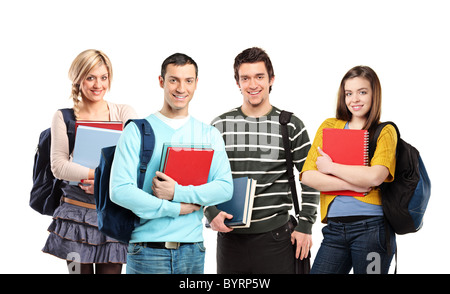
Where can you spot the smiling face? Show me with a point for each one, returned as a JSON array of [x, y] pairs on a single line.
[[95, 84], [358, 97], [255, 83], [179, 85]]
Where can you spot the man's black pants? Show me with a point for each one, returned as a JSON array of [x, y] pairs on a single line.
[[265, 253]]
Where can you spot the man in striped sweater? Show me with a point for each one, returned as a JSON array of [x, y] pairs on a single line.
[[254, 145]]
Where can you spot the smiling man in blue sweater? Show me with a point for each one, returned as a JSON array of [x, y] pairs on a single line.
[[169, 238]]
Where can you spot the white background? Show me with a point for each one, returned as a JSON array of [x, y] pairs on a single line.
[[312, 44]]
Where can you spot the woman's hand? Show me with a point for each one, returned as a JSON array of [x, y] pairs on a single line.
[[324, 162], [87, 186]]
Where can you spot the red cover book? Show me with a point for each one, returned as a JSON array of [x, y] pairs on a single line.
[[112, 125], [348, 147], [188, 165]]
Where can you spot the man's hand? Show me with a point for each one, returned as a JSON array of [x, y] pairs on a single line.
[[304, 244], [217, 224], [163, 186], [187, 208]]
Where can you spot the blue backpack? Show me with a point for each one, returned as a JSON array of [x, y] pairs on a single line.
[[114, 220], [406, 198], [46, 193]]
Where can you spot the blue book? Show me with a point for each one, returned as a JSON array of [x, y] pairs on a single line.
[[89, 142], [241, 204]]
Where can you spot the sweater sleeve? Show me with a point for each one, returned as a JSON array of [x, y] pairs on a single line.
[[310, 162], [309, 202], [385, 151], [61, 164], [123, 180]]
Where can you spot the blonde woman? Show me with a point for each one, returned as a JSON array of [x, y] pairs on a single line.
[[74, 235]]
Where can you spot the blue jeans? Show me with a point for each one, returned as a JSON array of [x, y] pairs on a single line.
[[187, 259], [360, 244]]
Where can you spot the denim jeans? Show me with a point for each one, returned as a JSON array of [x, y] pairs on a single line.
[[360, 245], [187, 259]]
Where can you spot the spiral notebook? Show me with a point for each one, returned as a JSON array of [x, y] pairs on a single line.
[[345, 146]]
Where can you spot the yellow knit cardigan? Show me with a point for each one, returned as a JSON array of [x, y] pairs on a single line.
[[384, 155]]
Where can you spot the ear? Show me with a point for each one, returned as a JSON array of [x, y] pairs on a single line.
[[271, 81], [161, 81]]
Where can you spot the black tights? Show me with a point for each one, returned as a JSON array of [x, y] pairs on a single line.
[[100, 268]]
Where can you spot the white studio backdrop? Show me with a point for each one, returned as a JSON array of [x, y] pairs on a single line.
[[312, 44]]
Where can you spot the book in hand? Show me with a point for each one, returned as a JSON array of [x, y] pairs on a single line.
[[349, 147], [89, 142], [241, 204], [187, 164], [112, 125]]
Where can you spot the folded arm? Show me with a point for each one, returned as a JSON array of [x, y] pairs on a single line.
[[361, 176], [219, 186], [123, 181]]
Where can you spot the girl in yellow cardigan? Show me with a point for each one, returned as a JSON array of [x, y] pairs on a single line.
[[355, 233]]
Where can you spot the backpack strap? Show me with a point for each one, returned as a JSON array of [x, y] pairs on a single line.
[[372, 147], [285, 118], [69, 119], [147, 147]]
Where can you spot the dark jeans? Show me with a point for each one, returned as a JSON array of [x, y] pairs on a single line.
[[360, 245], [266, 253]]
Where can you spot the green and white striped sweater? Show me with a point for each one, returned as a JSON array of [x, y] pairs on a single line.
[[255, 149]]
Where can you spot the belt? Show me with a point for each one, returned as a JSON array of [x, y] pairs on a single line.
[[162, 245], [78, 203]]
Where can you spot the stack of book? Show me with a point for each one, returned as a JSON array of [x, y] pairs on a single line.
[[241, 204], [187, 164], [91, 137]]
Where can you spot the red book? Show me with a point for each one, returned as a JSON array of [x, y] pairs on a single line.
[[187, 165], [345, 146], [112, 125]]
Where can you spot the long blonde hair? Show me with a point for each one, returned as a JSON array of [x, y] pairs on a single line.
[[80, 68]]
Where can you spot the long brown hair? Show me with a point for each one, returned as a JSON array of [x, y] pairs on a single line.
[[374, 114]]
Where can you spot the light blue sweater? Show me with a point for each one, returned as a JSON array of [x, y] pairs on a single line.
[[159, 219]]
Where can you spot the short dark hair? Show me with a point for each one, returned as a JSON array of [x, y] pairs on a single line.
[[253, 55], [179, 59]]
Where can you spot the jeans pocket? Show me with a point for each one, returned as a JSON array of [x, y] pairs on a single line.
[[383, 241], [201, 246], [282, 233], [134, 248]]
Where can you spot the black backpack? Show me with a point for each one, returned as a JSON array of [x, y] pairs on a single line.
[[114, 220], [46, 193], [406, 198]]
